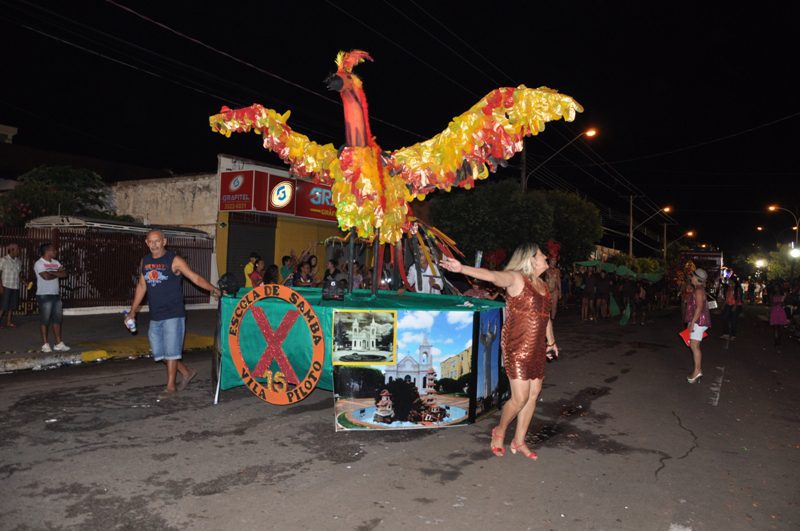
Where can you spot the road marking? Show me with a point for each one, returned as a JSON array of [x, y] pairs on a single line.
[[716, 387]]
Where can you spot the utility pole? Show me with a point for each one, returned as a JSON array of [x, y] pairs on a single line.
[[630, 228], [665, 241]]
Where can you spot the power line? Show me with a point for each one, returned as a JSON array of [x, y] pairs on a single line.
[[401, 47], [50, 121], [166, 58], [251, 65], [440, 41], [621, 179], [708, 142], [171, 74], [465, 43], [223, 53], [112, 59]]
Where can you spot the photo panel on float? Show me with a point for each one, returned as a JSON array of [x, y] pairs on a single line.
[[488, 371], [428, 386], [364, 337]]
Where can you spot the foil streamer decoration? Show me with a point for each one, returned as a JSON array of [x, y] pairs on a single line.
[[370, 190]]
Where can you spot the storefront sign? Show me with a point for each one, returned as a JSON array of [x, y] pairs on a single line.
[[236, 190], [315, 201], [264, 192], [281, 196], [260, 190]]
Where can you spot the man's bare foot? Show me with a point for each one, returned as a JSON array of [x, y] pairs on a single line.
[[187, 379], [167, 394]]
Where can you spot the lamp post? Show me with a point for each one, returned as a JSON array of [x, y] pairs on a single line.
[[632, 229], [689, 233], [762, 230], [760, 265], [524, 181], [775, 208], [795, 254]]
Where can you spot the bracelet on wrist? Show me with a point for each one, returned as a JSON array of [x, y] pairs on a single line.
[[551, 344]]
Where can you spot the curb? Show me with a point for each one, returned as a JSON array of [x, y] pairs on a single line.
[[39, 363], [52, 361]]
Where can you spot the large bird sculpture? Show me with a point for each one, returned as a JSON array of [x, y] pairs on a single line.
[[371, 187]]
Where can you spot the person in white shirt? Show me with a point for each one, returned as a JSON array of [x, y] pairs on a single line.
[[48, 272], [430, 284], [10, 275]]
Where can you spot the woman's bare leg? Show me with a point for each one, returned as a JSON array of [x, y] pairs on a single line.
[[526, 413], [520, 392], [697, 356]]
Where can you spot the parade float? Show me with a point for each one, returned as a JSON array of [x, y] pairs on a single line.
[[393, 359]]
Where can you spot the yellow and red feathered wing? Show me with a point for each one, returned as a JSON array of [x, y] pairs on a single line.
[[305, 157], [491, 131]]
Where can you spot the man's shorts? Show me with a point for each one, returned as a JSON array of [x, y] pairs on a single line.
[[9, 300], [50, 309], [166, 338], [697, 332]]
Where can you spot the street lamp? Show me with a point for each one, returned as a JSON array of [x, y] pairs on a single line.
[[775, 208], [689, 234], [632, 229], [795, 254], [589, 133], [761, 229]]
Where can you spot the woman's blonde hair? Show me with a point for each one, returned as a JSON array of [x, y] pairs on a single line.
[[521, 259]]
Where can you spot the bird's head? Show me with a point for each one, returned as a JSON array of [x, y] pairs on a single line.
[[344, 77]]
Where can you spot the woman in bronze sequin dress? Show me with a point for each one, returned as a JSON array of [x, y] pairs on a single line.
[[526, 338]]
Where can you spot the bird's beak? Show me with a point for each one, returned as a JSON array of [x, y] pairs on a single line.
[[334, 82]]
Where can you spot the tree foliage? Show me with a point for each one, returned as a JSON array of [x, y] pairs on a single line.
[[499, 215], [53, 190], [577, 225], [639, 265], [495, 215], [779, 263]]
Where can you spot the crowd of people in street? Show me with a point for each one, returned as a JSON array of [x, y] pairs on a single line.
[[534, 289]]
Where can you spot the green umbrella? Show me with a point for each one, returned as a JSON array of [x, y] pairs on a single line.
[[626, 315], [588, 263], [608, 268], [625, 271], [613, 307], [651, 277]]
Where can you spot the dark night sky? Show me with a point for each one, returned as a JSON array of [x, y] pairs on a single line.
[[696, 105]]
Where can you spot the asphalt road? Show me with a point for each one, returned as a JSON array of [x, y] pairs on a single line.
[[623, 441]]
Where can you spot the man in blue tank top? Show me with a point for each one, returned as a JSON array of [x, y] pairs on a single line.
[[160, 277]]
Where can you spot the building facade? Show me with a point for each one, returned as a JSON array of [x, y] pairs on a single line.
[[418, 371], [458, 365]]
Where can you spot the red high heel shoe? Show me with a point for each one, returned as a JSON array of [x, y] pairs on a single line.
[[529, 455], [497, 451]]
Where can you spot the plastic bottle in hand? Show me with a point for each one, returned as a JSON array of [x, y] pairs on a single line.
[[130, 323]]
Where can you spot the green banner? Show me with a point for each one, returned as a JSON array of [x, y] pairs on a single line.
[[294, 338]]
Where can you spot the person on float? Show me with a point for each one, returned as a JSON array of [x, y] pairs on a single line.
[[527, 336]]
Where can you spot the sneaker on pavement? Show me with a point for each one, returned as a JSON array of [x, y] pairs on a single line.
[[46, 348], [61, 347]]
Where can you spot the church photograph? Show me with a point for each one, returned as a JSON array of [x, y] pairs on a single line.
[[403, 394], [363, 337]]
